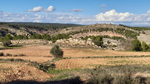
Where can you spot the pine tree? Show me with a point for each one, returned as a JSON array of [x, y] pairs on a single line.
[[137, 45]]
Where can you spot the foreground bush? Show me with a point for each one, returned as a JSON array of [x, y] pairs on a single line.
[[99, 76], [102, 76], [56, 52]]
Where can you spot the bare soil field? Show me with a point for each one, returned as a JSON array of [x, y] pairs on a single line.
[[32, 52], [91, 63], [74, 58], [11, 71], [40, 54]]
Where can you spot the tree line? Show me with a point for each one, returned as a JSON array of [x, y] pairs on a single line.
[[140, 46], [35, 36]]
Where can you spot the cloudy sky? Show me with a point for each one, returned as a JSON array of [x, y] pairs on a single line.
[[128, 12]]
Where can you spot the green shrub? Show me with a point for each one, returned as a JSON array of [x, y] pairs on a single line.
[[8, 54], [137, 45], [100, 76], [56, 52], [98, 41], [125, 79], [7, 43], [101, 79], [1, 54], [22, 55], [145, 47]]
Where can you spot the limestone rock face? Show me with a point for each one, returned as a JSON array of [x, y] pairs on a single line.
[[30, 41], [74, 42], [144, 38], [112, 44]]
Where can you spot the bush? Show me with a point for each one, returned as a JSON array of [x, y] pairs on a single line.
[[137, 45], [125, 79], [7, 43], [100, 76], [145, 47], [101, 79], [75, 80], [1, 54], [8, 54], [56, 52]]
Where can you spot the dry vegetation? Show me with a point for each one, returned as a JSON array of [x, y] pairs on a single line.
[[11, 71], [74, 58]]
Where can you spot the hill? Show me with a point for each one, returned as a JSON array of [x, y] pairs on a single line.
[[21, 28], [107, 36]]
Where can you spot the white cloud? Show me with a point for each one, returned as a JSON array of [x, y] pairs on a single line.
[[50, 9], [77, 10], [36, 9], [127, 18], [37, 21], [103, 5], [40, 9], [148, 12], [112, 15]]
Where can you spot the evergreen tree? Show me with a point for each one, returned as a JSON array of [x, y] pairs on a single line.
[[145, 47], [137, 45], [56, 52]]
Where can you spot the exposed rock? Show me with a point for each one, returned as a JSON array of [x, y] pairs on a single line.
[[30, 41], [109, 33], [72, 42], [21, 31], [144, 37], [112, 44]]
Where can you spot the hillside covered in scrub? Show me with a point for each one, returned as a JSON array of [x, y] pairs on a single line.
[[107, 36]]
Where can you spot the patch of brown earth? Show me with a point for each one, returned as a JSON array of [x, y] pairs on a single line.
[[12, 71]]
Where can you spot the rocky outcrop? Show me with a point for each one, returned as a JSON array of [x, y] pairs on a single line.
[[144, 38], [108, 33], [21, 31], [72, 42], [32, 41], [112, 44]]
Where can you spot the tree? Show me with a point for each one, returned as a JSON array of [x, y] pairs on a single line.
[[137, 45], [6, 43], [56, 52], [98, 41], [145, 47], [46, 37], [8, 37]]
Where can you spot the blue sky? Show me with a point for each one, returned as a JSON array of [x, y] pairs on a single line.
[[129, 12]]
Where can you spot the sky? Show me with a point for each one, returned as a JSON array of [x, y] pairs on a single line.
[[127, 12]]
